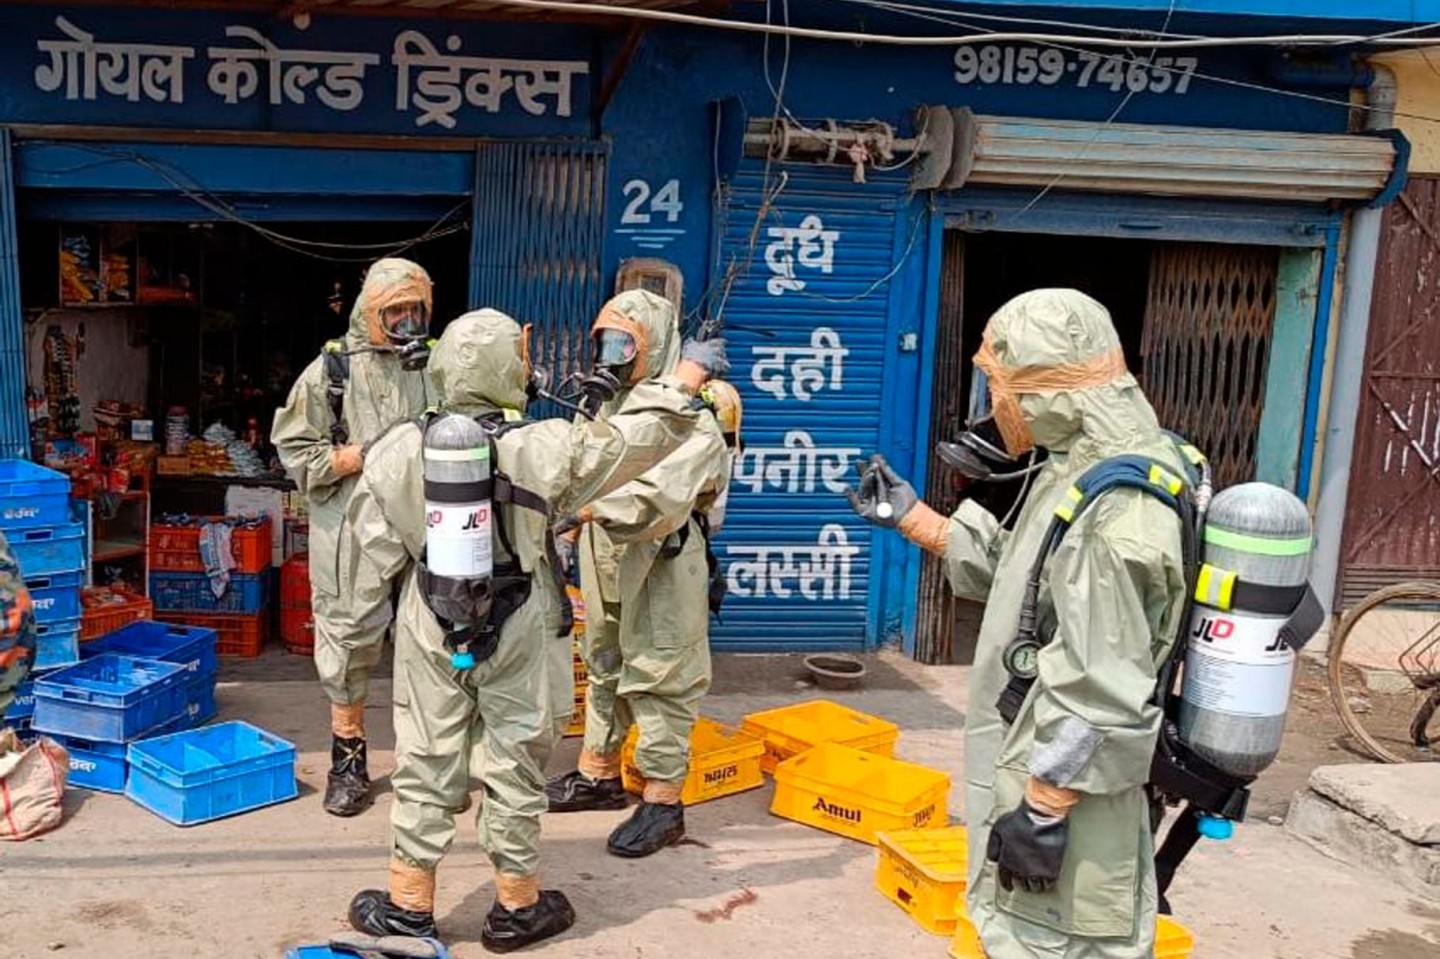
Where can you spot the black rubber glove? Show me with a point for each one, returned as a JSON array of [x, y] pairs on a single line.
[[882, 498], [1028, 847]]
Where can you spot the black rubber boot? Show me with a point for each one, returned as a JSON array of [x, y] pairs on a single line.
[[506, 930], [577, 792], [650, 829], [347, 790], [373, 913]]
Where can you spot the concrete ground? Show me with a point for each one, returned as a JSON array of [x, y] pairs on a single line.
[[117, 882]]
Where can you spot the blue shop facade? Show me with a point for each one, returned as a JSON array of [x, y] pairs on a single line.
[[852, 213]]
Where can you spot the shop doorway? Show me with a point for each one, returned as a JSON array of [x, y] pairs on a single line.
[[1195, 320], [130, 320]]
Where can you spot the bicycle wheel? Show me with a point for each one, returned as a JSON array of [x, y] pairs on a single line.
[[1385, 670]]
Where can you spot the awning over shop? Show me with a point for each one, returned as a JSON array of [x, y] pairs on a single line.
[[1159, 160]]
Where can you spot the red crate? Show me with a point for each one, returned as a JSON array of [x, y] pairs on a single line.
[[176, 549], [101, 618], [297, 631], [240, 634]]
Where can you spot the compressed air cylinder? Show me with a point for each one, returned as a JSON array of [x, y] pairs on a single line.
[[458, 516], [1236, 686]]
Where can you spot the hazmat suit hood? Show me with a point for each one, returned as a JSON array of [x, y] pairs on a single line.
[[652, 321], [480, 363], [388, 282], [1056, 352]]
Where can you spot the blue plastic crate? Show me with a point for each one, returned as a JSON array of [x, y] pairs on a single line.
[[190, 646], [199, 702], [191, 591], [45, 551], [57, 644], [326, 952], [102, 766], [204, 774], [32, 495], [111, 698], [23, 731], [56, 596], [23, 705]]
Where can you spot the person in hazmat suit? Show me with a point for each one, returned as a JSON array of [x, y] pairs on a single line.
[[510, 696], [352, 392], [645, 578], [1061, 859]]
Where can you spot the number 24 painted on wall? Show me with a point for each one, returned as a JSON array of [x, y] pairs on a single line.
[[645, 203]]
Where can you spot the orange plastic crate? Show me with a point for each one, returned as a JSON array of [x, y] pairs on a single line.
[[239, 634], [101, 620], [176, 549]]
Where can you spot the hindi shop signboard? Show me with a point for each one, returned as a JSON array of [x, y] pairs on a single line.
[[359, 75]]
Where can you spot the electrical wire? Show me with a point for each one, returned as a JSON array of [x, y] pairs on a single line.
[[848, 36], [1099, 131], [300, 245], [1031, 21]]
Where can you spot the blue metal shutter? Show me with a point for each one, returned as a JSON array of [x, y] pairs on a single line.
[[798, 559], [14, 420], [538, 230]]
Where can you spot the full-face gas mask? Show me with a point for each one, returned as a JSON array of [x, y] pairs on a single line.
[[979, 452], [407, 332]]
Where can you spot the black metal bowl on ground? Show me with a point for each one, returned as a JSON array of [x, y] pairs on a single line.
[[835, 670]]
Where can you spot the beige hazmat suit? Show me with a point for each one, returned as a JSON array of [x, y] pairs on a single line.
[[378, 394], [645, 582], [511, 707], [1115, 590]]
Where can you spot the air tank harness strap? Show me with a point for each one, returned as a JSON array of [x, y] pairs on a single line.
[[337, 372], [1129, 471]]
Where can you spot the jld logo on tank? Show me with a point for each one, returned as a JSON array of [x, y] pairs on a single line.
[[714, 777], [923, 817], [1217, 629], [836, 811]]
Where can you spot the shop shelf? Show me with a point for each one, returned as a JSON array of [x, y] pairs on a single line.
[[56, 596], [57, 643], [858, 794], [723, 761], [191, 591], [109, 550], [190, 646], [240, 634], [111, 697], [205, 774], [32, 496], [103, 619], [45, 551], [791, 730], [177, 548], [923, 872]]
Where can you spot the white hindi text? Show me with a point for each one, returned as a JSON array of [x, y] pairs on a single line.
[[807, 366], [432, 85], [818, 571], [808, 245], [795, 467]]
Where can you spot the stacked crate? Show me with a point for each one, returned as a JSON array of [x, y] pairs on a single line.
[[182, 592], [143, 680], [48, 543], [582, 676]]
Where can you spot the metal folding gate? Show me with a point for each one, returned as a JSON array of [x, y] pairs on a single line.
[[1205, 345], [1392, 517], [538, 232]]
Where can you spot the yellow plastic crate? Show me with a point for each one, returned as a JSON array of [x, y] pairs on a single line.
[[923, 872], [791, 730], [1172, 940], [577, 608], [723, 761], [858, 794]]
